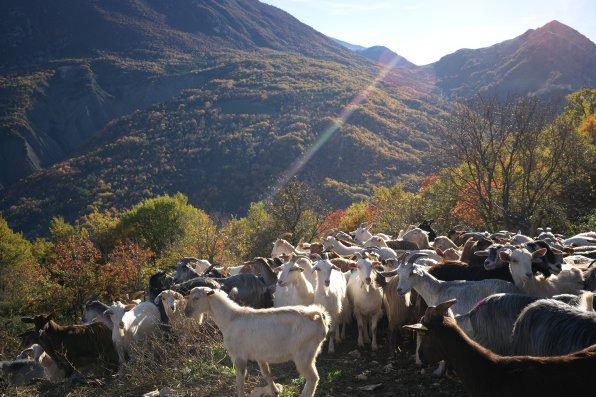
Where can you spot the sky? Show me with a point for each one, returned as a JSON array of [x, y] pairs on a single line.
[[423, 31]]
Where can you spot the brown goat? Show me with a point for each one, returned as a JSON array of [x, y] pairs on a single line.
[[472, 245], [76, 346], [484, 373]]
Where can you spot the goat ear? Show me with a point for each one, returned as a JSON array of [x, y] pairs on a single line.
[[211, 292], [539, 253], [334, 267], [481, 253], [440, 252], [109, 312], [418, 328], [417, 271], [505, 256], [556, 251], [353, 265], [27, 320], [157, 300], [130, 306], [276, 269], [442, 308]]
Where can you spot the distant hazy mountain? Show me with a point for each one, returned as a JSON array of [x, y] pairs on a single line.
[[380, 54], [550, 61], [384, 56], [352, 47]]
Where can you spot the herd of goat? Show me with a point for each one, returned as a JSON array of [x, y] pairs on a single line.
[[509, 313]]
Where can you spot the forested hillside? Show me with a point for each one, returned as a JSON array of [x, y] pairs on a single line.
[[104, 103]]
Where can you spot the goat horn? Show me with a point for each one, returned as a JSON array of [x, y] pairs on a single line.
[[414, 257], [402, 258]]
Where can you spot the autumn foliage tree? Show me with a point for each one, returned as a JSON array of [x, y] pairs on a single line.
[[508, 157], [76, 273], [123, 273]]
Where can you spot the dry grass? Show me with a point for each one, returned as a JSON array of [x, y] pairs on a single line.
[[188, 358]]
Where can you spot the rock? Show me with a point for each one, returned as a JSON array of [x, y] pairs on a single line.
[[354, 354], [371, 387], [388, 368], [361, 377]]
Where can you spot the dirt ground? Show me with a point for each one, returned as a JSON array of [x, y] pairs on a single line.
[[350, 371]]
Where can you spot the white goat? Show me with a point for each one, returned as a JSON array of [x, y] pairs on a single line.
[[366, 299], [131, 324], [171, 302], [582, 239], [292, 276], [418, 237], [380, 247], [273, 335], [444, 243], [519, 239], [331, 293], [569, 281], [284, 247], [362, 234], [434, 291], [331, 243], [51, 370]]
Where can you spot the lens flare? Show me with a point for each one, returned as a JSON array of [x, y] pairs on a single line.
[[335, 125]]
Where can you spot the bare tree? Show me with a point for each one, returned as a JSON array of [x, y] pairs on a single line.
[[297, 210], [507, 157]]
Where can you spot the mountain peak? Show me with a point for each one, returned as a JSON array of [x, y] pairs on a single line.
[[549, 61], [558, 28]]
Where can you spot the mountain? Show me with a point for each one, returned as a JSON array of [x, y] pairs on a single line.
[[164, 104], [550, 61], [71, 66], [385, 56], [351, 47], [105, 103], [35, 31], [379, 54]]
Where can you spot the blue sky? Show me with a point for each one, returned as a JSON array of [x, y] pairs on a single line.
[[425, 30]]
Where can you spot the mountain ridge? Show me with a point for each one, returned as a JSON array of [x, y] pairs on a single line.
[[218, 118]]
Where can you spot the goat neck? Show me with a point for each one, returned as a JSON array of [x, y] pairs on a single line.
[[471, 361], [222, 309], [426, 285]]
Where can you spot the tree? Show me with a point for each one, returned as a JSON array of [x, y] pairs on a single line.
[[394, 208], [579, 192], [60, 230], [102, 229], [17, 268], [296, 209], [75, 272], [159, 222], [507, 159], [123, 273]]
